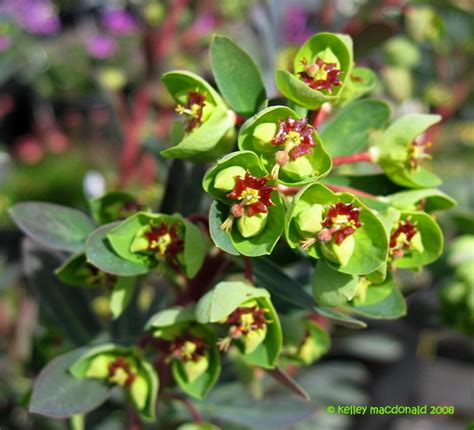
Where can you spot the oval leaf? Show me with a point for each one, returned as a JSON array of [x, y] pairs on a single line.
[[53, 226], [58, 394], [237, 76]]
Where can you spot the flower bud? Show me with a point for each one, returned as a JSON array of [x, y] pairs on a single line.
[[139, 392], [310, 220], [253, 339], [263, 135], [225, 179], [417, 243], [195, 368], [99, 366], [298, 168], [250, 226], [339, 254]]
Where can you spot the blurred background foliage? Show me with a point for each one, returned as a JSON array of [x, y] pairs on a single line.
[[82, 111]]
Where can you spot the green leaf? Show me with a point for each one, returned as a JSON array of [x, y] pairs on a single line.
[[217, 215], [202, 385], [58, 394], [171, 316], [371, 242], [332, 288], [319, 159], [231, 403], [382, 301], [195, 247], [100, 253], [275, 280], [53, 226], [121, 295], [74, 271], [348, 132], [69, 307], [216, 305], [237, 76], [430, 200]]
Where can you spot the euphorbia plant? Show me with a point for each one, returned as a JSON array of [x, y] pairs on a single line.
[[273, 185]]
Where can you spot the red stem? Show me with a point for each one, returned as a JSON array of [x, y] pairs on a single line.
[[248, 270], [320, 115], [197, 417], [354, 158], [288, 191], [344, 189]]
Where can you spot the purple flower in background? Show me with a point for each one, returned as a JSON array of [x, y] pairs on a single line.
[[295, 26], [102, 47], [35, 16], [118, 21], [5, 42]]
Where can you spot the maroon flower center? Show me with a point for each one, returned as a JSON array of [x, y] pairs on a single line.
[[193, 109], [253, 194], [129, 208], [342, 220], [165, 239], [401, 237], [296, 135], [185, 348], [121, 372], [246, 319], [320, 75]]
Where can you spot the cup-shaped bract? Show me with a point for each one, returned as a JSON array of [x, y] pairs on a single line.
[[348, 235], [403, 148], [304, 340], [117, 365], [208, 125], [154, 239], [322, 67], [255, 216], [189, 347], [77, 271], [288, 146], [114, 206], [415, 240], [250, 320]]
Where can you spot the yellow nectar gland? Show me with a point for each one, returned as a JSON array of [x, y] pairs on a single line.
[[193, 111], [120, 376], [161, 244], [249, 196], [188, 350], [341, 220]]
